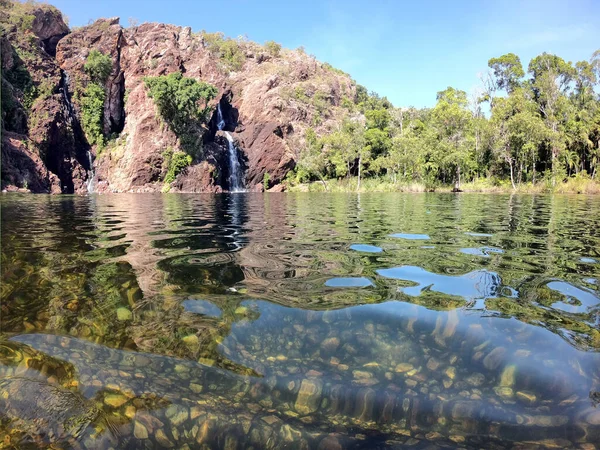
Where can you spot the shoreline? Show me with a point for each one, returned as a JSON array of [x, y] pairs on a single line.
[[574, 185]]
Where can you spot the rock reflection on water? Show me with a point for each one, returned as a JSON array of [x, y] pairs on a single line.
[[257, 321]]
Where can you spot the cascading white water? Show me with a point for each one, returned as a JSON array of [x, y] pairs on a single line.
[[235, 171], [91, 174]]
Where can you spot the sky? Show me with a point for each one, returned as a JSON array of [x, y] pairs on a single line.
[[404, 50]]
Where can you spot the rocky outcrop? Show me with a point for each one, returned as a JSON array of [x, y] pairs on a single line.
[[35, 109], [268, 103], [22, 168]]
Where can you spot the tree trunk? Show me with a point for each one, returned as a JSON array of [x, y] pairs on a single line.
[[512, 179], [359, 168], [324, 183]]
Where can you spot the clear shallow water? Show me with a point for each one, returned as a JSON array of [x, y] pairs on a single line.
[[300, 321]]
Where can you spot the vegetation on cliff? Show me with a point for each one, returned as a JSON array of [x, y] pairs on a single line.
[[98, 67], [182, 103], [542, 128]]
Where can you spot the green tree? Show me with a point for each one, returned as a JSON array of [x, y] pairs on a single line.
[[551, 77], [507, 71], [98, 66], [181, 101], [451, 119], [273, 48]]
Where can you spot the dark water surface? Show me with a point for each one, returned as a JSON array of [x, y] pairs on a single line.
[[300, 321]]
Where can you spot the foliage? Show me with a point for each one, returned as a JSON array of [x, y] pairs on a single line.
[[177, 162], [266, 179], [273, 48], [227, 49], [92, 113], [180, 100], [98, 66], [546, 124]]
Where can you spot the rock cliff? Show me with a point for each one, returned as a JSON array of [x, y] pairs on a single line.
[[268, 97]]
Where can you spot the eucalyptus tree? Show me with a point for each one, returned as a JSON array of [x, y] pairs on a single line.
[[551, 79], [452, 121]]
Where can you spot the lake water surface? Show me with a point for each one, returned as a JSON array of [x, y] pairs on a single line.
[[300, 321]]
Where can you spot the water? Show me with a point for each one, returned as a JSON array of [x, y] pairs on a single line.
[[91, 174], [236, 183], [300, 321]]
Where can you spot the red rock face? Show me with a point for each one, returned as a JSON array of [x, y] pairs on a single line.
[[268, 104]]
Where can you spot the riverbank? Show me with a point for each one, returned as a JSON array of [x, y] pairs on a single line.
[[573, 185]]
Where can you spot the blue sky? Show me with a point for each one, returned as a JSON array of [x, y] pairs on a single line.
[[405, 50]]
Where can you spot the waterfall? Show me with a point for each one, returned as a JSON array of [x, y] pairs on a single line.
[[91, 175], [235, 172], [71, 117]]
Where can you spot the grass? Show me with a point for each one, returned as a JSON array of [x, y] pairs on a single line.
[[573, 185]]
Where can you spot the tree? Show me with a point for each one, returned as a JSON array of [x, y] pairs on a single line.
[[507, 71], [98, 67], [551, 76], [452, 121], [273, 48], [180, 100]]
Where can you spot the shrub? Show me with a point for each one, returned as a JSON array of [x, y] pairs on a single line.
[[177, 99], [228, 50], [273, 48], [232, 55], [92, 112], [98, 66], [266, 179], [177, 162]]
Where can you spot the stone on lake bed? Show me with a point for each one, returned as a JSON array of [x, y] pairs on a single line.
[[494, 358], [191, 340], [162, 439], [508, 376], [404, 367], [361, 374], [177, 414], [140, 431], [309, 396], [526, 396], [124, 314], [115, 400], [330, 344]]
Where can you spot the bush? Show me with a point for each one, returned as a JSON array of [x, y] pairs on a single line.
[[266, 179], [98, 66], [227, 50], [178, 161], [177, 99], [92, 112], [232, 55], [273, 48]]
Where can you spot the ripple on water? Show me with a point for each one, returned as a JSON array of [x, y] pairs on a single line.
[[587, 260], [482, 251], [411, 236], [349, 282], [366, 248], [470, 233], [203, 307], [478, 284], [577, 300]]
